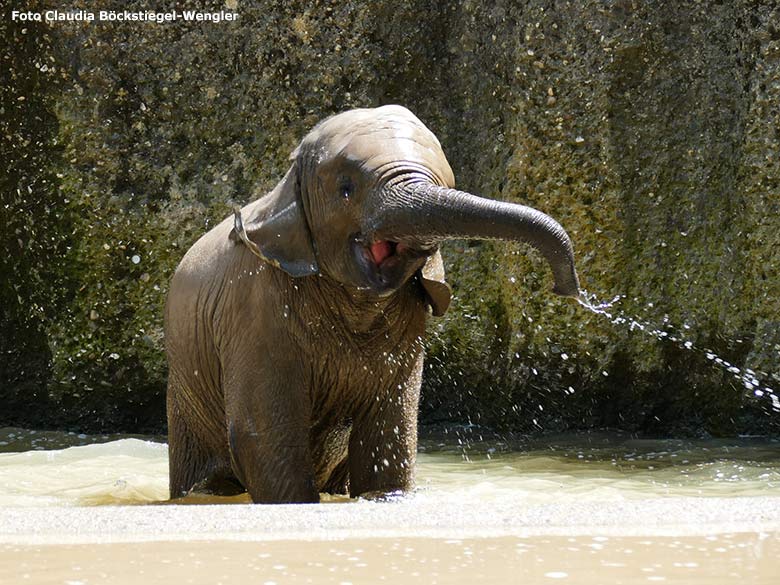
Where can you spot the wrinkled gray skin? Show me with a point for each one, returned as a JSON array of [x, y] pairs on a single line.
[[294, 329]]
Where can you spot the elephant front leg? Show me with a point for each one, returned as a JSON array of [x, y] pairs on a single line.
[[383, 443], [268, 421], [273, 470]]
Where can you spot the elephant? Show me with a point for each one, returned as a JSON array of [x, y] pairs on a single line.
[[294, 329]]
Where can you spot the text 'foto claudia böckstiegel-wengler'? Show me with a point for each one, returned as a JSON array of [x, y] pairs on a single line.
[[123, 16]]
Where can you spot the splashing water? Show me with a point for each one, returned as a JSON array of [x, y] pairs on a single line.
[[748, 377]]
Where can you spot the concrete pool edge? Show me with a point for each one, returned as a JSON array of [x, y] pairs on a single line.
[[404, 519]]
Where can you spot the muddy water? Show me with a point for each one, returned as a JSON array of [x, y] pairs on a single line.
[[45, 469], [589, 509]]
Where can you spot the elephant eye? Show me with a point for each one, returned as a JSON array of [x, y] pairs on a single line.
[[346, 188]]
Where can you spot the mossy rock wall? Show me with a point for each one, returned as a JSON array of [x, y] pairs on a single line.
[[649, 130]]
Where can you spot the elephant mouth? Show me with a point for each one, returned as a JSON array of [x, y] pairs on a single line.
[[387, 264], [382, 250]]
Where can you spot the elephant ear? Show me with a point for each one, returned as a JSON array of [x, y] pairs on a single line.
[[274, 228], [437, 291]]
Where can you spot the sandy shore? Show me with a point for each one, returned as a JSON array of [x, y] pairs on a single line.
[[719, 541], [405, 518], [599, 560]]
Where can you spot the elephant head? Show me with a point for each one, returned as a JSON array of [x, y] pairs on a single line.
[[368, 199]]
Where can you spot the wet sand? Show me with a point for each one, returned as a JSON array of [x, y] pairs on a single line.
[[673, 540], [599, 560]]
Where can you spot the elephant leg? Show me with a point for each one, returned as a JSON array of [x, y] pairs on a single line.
[[383, 444], [329, 441], [268, 421], [273, 464], [338, 482], [197, 461], [189, 461], [197, 471]]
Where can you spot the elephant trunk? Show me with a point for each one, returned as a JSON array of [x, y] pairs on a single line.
[[424, 214]]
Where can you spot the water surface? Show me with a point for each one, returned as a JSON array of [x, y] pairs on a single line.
[[66, 469]]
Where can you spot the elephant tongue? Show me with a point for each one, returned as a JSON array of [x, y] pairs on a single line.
[[381, 250]]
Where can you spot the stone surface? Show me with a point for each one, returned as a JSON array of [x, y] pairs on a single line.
[[650, 131]]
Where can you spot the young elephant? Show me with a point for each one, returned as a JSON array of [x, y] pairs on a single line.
[[294, 329]]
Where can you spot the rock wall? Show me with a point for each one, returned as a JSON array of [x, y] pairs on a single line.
[[650, 131]]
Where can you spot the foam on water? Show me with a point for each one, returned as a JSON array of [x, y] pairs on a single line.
[[126, 471]]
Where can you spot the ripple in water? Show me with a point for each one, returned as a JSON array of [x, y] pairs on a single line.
[[748, 377]]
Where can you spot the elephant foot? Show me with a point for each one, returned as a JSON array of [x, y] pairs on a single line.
[[219, 485]]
